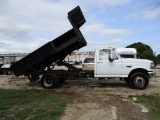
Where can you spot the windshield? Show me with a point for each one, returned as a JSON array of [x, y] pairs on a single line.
[[89, 60], [116, 54]]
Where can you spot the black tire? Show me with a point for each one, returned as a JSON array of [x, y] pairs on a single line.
[[139, 80], [8, 72], [49, 81], [62, 80], [127, 80], [29, 77], [1, 72]]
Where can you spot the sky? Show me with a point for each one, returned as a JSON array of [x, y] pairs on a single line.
[[26, 25]]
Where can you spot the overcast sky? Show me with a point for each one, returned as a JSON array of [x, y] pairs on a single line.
[[26, 25]]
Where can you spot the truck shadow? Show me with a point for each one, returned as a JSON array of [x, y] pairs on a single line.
[[111, 83]]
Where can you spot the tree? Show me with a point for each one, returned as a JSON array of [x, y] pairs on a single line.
[[158, 59], [144, 51]]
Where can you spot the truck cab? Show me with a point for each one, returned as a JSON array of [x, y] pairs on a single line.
[[109, 64]]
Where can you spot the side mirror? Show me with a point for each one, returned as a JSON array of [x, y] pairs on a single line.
[[111, 58]]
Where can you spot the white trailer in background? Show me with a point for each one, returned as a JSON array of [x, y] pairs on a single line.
[[127, 52]]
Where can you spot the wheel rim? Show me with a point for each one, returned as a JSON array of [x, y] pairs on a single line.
[[48, 81], [9, 72], [139, 81]]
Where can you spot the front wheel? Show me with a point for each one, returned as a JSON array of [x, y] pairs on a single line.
[[139, 80]]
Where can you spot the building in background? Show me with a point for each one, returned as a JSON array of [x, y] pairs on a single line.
[[78, 56], [10, 58]]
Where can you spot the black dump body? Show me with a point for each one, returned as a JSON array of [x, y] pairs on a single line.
[[55, 50]]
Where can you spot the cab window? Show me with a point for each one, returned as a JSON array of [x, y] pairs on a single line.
[[89, 60], [103, 54]]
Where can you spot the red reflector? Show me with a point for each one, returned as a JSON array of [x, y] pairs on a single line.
[[82, 66]]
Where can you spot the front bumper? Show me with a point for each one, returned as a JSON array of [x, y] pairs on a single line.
[[152, 73]]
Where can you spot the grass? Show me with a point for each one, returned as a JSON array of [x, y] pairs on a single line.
[[30, 105], [153, 103]]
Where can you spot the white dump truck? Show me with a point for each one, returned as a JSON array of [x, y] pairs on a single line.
[[107, 62]]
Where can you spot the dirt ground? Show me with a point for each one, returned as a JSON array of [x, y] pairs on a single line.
[[94, 99]]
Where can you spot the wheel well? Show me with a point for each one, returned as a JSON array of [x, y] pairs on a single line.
[[138, 70]]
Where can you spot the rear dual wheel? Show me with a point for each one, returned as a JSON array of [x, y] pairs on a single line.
[[9, 72], [49, 81]]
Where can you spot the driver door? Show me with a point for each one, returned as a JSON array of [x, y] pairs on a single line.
[[105, 68]]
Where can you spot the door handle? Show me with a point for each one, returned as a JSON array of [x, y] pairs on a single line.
[[128, 66], [99, 62]]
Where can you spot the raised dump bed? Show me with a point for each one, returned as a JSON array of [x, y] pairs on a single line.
[[55, 50]]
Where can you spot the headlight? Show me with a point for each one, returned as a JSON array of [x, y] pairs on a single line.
[[152, 65]]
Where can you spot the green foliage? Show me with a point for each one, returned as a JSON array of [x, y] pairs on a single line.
[[153, 102], [144, 51], [158, 59], [30, 105]]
